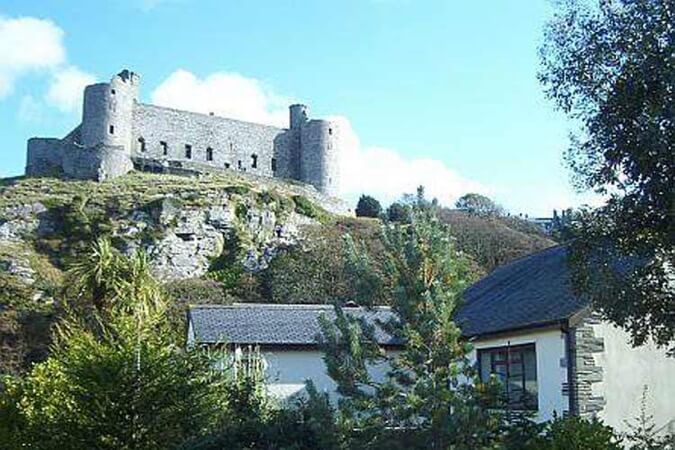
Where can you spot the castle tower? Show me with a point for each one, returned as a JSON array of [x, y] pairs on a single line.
[[298, 116], [106, 131], [319, 157], [107, 112]]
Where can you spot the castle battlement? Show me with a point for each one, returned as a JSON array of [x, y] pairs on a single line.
[[118, 134]]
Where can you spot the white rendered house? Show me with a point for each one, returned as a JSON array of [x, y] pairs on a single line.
[[553, 355]]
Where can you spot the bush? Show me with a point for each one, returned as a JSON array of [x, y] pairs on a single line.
[[197, 291], [575, 433], [254, 422], [398, 212], [368, 207], [305, 207]]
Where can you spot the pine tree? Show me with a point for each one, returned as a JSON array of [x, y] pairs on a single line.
[[430, 396]]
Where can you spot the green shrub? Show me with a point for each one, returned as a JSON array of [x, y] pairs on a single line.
[[241, 211], [368, 207], [575, 433], [305, 207], [197, 291], [238, 189]]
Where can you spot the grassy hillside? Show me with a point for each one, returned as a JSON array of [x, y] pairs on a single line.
[[46, 224]]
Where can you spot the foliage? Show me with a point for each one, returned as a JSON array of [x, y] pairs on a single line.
[[368, 207], [27, 309], [575, 433], [307, 208], [479, 205], [424, 398], [116, 377], [643, 434], [491, 241], [193, 291], [398, 212], [257, 423], [609, 66], [316, 271]]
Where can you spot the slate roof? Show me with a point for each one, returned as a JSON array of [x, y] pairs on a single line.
[[531, 291], [280, 325]]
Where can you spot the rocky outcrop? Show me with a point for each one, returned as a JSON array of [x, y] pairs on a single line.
[[188, 239]]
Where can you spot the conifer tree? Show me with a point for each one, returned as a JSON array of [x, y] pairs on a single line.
[[430, 396]]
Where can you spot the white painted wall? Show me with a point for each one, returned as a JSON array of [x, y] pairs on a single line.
[[626, 371], [551, 370], [287, 371]]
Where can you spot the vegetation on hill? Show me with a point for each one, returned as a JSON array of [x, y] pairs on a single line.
[[225, 225]]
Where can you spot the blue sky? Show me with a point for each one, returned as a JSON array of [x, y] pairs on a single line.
[[442, 93]]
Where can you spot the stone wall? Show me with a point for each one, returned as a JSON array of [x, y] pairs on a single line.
[[163, 134], [585, 372], [44, 156], [102, 162]]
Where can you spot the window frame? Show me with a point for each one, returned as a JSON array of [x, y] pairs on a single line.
[[517, 405]]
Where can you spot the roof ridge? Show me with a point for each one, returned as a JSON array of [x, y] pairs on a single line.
[[281, 306]]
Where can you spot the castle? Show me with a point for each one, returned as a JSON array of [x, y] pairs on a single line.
[[118, 134]]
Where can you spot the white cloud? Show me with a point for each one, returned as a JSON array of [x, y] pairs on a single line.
[[66, 88], [27, 44], [386, 174], [224, 93], [32, 45]]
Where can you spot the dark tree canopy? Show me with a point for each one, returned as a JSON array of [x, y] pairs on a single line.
[[610, 66], [398, 212], [479, 204], [368, 207]]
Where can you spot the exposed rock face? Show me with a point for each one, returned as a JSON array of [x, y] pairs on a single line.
[[200, 234], [182, 241], [20, 221]]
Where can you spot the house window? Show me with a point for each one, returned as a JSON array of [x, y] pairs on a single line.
[[188, 151], [274, 164], [515, 367], [111, 129], [330, 131], [165, 148], [112, 91], [209, 154], [227, 165], [254, 161], [239, 165], [141, 145]]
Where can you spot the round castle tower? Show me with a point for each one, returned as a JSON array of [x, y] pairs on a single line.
[[106, 131], [319, 158], [108, 110]]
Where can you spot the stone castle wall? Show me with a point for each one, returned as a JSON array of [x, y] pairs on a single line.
[[116, 129], [172, 135]]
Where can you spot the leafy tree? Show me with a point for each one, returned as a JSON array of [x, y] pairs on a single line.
[[116, 377], [398, 212], [368, 207], [479, 204], [423, 400], [491, 241], [609, 66]]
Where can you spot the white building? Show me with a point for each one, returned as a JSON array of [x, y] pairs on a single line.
[[553, 355]]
